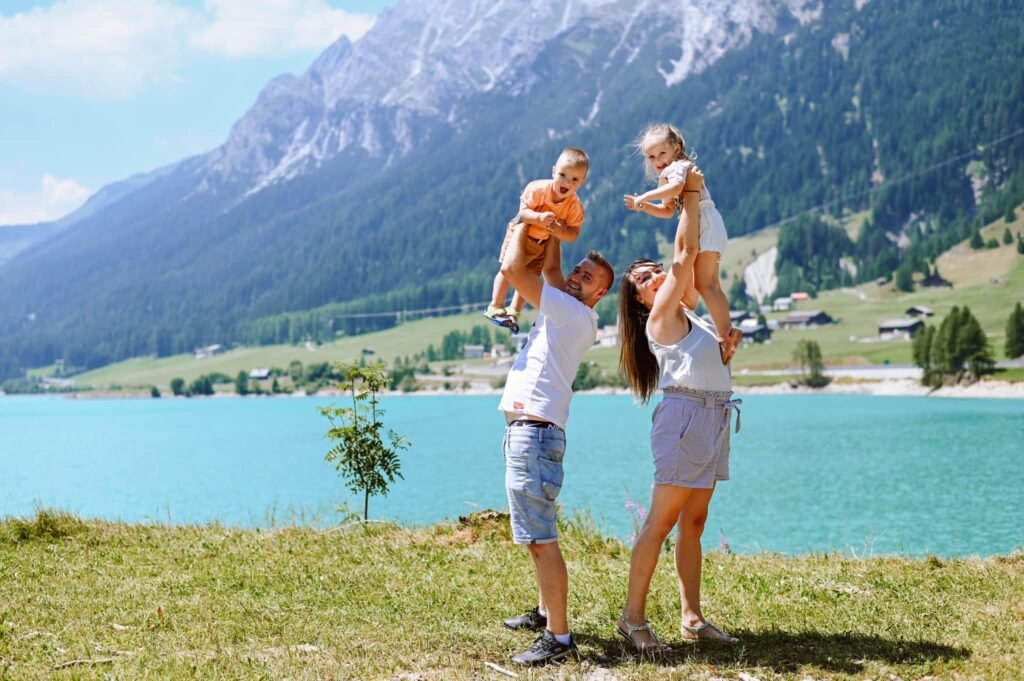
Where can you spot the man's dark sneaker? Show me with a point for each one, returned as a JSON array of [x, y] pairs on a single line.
[[546, 649], [531, 620]]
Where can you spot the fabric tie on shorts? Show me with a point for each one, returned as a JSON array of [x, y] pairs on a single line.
[[712, 399]]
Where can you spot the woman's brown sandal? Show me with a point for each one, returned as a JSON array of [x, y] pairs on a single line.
[[706, 631], [630, 629]]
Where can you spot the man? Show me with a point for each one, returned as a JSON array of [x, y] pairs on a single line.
[[536, 406]]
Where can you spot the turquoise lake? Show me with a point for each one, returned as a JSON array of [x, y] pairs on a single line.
[[810, 473]]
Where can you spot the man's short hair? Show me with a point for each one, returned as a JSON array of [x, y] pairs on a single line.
[[573, 157], [598, 259]]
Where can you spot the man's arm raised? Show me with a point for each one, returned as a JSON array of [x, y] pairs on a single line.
[[553, 274], [513, 268]]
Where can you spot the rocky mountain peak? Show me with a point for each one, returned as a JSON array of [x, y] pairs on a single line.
[[423, 58]]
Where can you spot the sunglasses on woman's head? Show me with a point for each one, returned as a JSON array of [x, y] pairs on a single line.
[[642, 278]]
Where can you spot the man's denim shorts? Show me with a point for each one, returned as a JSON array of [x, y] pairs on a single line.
[[533, 479]]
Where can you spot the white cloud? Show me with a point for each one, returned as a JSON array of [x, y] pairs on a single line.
[[55, 198], [241, 28], [114, 48], [99, 48]]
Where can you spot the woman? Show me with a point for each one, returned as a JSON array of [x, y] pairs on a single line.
[[666, 347]]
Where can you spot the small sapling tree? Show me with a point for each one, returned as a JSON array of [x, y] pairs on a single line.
[[365, 454], [812, 368]]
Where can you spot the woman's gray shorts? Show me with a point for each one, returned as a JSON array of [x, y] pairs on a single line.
[[690, 440]]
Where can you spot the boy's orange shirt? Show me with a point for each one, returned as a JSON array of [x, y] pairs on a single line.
[[539, 197]]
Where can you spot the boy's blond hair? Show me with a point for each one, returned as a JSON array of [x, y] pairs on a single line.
[[574, 158]]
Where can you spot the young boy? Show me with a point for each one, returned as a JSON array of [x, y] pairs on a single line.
[[547, 208]]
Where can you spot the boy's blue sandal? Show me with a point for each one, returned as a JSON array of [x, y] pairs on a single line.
[[500, 316], [507, 322]]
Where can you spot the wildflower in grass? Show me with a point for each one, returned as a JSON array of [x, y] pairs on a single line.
[[637, 513]]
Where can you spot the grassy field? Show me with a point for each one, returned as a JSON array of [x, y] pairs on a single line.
[[852, 340], [989, 281], [403, 340], [93, 600], [1010, 375], [742, 251], [966, 267]]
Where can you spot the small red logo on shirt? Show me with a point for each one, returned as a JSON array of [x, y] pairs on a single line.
[[518, 405]]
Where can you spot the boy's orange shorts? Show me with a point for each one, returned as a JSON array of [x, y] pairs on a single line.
[[535, 248]]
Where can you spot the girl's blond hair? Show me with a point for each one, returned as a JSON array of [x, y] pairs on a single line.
[[662, 132]]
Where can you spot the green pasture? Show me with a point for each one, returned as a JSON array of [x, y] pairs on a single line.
[[989, 281], [405, 339]]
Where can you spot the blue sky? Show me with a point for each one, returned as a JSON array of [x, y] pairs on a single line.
[[92, 91]]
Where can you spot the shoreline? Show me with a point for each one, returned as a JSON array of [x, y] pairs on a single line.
[[893, 387], [897, 387]]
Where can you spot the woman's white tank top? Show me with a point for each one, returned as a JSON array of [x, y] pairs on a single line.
[[694, 362]]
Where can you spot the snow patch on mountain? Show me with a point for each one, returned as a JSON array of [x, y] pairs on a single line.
[[594, 110], [709, 29], [411, 74], [759, 276]]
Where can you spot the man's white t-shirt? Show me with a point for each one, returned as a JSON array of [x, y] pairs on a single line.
[[540, 381]]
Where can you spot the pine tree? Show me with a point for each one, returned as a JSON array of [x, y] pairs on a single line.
[[976, 240], [972, 348], [942, 346], [905, 278], [922, 347], [242, 383], [1007, 237], [1015, 332]]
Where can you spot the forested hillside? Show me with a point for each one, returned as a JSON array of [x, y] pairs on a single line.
[[885, 108], [913, 110]]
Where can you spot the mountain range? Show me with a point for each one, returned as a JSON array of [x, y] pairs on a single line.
[[380, 179]]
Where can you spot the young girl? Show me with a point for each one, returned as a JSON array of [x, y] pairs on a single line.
[[665, 157]]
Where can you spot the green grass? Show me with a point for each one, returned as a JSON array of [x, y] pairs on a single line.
[[966, 267], [742, 251], [859, 318], [405, 339], [989, 281], [1015, 375], [42, 371], [383, 602]]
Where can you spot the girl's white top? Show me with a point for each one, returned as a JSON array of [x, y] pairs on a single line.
[[694, 362], [676, 172]]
